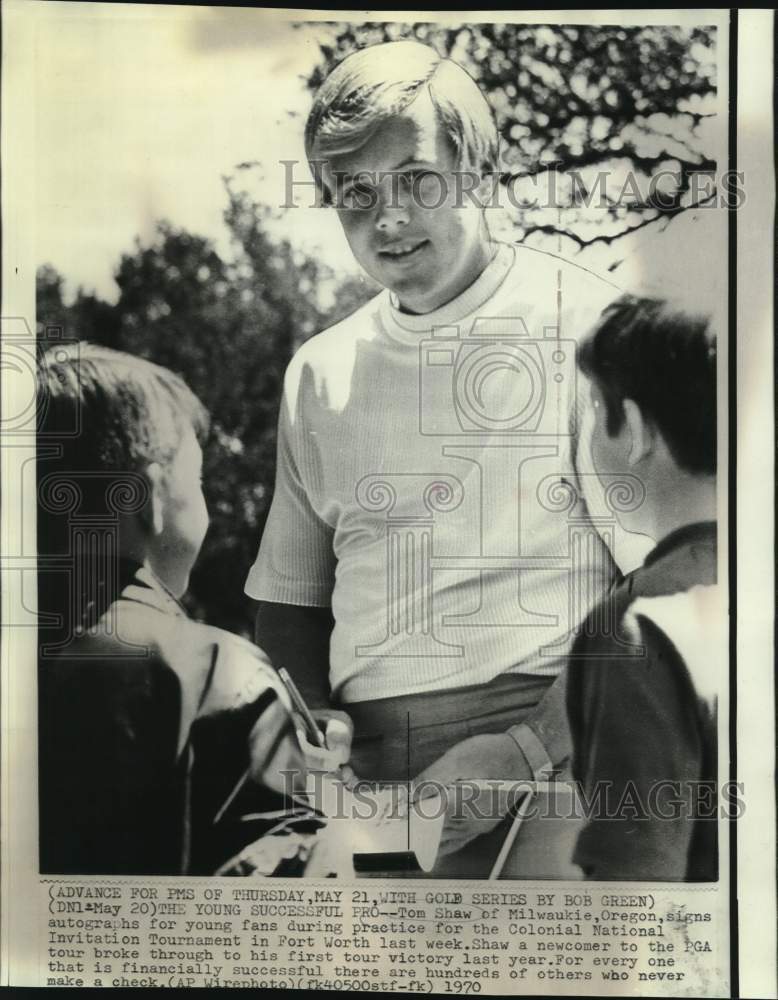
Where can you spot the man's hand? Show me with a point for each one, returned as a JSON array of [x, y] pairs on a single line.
[[469, 814], [337, 729]]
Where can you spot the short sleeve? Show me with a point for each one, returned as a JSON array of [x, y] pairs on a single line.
[[296, 562]]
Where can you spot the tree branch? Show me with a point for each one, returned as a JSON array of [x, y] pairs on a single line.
[[609, 238]]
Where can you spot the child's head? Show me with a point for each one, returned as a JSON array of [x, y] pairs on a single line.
[[661, 357], [404, 144], [135, 419], [652, 365]]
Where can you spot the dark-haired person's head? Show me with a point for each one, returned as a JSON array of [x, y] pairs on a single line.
[[651, 362], [127, 437]]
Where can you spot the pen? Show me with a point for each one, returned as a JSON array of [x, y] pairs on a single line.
[[312, 730], [505, 850]]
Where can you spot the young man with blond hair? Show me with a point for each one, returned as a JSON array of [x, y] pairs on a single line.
[[415, 569]]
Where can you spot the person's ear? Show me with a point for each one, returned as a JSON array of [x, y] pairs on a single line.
[[153, 513], [640, 430]]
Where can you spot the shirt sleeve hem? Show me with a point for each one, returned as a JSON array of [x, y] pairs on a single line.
[[288, 593]]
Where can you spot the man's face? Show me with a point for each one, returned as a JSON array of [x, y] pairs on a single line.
[[406, 219]]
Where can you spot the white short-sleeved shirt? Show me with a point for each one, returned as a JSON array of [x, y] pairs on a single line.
[[430, 484]]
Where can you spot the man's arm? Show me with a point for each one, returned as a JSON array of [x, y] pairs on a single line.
[[519, 754], [297, 637], [548, 722], [510, 755]]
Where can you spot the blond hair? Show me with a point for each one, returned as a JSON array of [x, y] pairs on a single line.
[[380, 81]]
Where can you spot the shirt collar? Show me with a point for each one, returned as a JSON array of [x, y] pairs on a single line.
[[683, 559], [406, 327], [145, 587], [701, 532]]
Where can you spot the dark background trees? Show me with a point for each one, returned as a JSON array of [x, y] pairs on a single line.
[[610, 102]]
